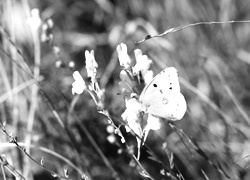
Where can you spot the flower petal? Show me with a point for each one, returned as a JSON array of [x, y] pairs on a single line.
[[78, 86], [142, 62], [91, 64], [153, 123], [123, 57]]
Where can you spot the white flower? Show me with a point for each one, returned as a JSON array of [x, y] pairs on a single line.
[[153, 123], [148, 76], [34, 21], [91, 64], [142, 63], [126, 82], [131, 116], [123, 57], [79, 85]]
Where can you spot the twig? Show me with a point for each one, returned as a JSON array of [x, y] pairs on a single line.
[[17, 89], [181, 134], [217, 102], [230, 93], [91, 139], [2, 165], [34, 95], [144, 171], [179, 28], [45, 97], [106, 113], [15, 78], [5, 163], [13, 139], [24, 60], [207, 100], [48, 151], [5, 79]]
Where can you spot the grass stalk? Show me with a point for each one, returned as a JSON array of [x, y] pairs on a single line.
[[34, 96]]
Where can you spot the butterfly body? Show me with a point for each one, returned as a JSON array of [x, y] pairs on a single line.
[[162, 96]]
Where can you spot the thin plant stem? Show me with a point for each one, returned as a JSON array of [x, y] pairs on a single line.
[[12, 170], [109, 70], [13, 55], [179, 28], [23, 62], [195, 146], [230, 93], [91, 139], [3, 172], [143, 169], [34, 95], [13, 139], [5, 79], [48, 151], [14, 99], [17, 89], [106, 113], [217, 102], [207, 100]]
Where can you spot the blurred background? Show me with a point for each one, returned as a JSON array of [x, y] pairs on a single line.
[[62, 131]]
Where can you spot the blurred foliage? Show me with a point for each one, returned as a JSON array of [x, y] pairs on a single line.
[[213, 62]]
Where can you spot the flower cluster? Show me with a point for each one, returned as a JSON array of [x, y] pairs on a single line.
[[133, 80], [79, 85], [134, 77]]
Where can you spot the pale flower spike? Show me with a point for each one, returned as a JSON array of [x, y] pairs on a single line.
[[142, 65], [34, 21], [148, 76], [91, 64], [123, 57], [79, 85], [142, 62]]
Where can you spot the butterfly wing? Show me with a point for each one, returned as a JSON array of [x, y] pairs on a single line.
[[162, 97], [170, 106], [166, 81]]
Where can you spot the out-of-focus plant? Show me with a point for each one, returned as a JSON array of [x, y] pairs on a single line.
[[63, 134]]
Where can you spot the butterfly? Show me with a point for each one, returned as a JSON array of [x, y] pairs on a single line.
[[162, 97]]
